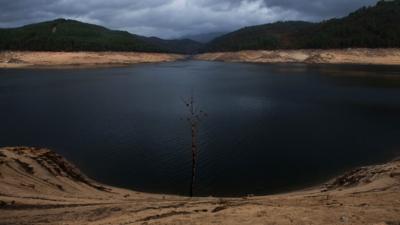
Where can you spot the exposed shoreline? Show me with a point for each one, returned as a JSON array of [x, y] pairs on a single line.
[[38, 186], [29, 59], [317, 56]]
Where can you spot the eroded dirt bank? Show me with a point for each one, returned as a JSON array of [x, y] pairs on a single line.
[[11, 59], [345, 56], [80, 59], [37, 186]]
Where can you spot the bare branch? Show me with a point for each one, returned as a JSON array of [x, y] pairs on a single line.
[[194, 118]]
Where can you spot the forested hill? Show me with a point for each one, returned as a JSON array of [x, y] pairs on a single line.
[[369, 27], [71, 35], [185, 46], [267, 36]]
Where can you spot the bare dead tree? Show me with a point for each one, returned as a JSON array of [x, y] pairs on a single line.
[[194, 118]]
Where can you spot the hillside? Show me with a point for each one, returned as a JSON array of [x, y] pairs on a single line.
[[368, 27], [185, 46], [38, 186], [71, 35], [205, 38], [267, 36]]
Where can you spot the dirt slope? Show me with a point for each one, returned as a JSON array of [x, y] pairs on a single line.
[[80, 59], [340, 56], [37, 186]]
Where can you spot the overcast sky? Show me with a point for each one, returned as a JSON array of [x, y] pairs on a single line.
[[174, 18]]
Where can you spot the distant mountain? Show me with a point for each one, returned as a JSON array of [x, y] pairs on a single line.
[[71, 35], [186, 46], [204, 38], [268, 36], [369, 27]]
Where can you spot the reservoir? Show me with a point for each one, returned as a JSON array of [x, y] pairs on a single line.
[[269, 129]]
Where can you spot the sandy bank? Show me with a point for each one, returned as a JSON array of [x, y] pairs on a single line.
[[80, 59], [345, 56], [38, 186]]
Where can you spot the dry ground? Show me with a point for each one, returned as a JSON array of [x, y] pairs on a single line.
[[10, 59], [339, 56], [37, 186], [80, 59]]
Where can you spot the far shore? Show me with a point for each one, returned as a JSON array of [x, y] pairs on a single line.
[[29, 59], [310, 56]]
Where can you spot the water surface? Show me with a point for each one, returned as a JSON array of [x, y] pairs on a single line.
[[271, 128]]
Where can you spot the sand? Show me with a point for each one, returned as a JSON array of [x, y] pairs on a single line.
[[343, 56], [80, 59], [37, 186]]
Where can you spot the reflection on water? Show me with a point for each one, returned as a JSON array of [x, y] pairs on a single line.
[[359, 75], [255, 103], [271, 128]]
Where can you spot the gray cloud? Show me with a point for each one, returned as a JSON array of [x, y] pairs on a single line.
[[321, 9], [174, 18]]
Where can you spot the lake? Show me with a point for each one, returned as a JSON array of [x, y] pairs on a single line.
[[270, 128]]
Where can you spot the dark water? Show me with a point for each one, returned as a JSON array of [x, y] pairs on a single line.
[[271, 128]]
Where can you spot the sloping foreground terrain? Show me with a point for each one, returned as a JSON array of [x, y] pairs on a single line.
[[37, 186]]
